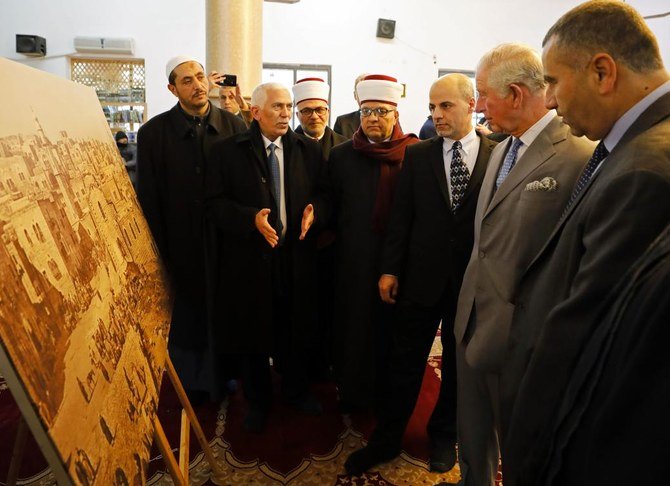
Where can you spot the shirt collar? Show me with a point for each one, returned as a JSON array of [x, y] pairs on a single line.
[[373, 142], [529, 136], [466, 141], [192, 118], [626, 121], [267, 142]]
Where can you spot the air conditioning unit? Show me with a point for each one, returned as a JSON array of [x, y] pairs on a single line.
[[104, 45]]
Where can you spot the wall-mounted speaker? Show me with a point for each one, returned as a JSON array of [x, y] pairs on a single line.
[[385, 28], [31, 45]]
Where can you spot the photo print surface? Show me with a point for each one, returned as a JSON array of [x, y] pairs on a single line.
[[84, 306]]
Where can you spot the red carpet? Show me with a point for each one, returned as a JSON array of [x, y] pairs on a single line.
[[294, 450]]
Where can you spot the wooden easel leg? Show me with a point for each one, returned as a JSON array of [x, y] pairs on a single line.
[[17, 453], [166, 451], [184, 444], [216, 470]]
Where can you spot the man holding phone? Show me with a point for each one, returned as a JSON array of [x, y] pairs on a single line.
[[230, 96]]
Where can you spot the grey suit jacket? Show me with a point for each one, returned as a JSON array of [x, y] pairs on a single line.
[[511, 225], [612, 222]]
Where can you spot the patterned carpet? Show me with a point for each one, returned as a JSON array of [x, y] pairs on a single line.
[[294, 450]]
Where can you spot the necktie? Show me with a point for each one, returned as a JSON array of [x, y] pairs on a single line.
[[273, 163], [459, 174], [598, 155], [508, 163]]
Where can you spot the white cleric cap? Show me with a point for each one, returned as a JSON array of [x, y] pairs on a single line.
[[176, 61], [310, 89], [378, 87]]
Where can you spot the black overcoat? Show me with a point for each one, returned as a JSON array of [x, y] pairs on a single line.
[[329, 140], [238, 188], [354, 179], [171, 190]]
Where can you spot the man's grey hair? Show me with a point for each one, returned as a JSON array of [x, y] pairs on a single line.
[[513, 63], [260, 93], [606, 26]]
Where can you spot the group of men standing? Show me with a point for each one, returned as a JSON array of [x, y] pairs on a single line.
[[513, 247]]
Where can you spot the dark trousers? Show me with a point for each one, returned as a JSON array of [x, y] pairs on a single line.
[[289, 360], [413, 333]]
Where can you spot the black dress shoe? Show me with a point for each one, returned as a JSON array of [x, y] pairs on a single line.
[[255, 420], [442, 460], [307, 404], [369, 456]]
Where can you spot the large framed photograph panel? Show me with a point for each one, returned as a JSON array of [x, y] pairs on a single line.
[[84, 304]]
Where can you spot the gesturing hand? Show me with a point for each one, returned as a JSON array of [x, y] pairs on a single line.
[[307, 220], [264, 227], [388, 288]]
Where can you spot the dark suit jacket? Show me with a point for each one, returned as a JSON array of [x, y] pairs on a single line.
[[239, 186], [328, 141], [618, 396], [347, 124], [511, 225], [614, 219], [427, 246]]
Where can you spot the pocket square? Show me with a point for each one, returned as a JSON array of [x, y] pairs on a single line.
[[548, 184]]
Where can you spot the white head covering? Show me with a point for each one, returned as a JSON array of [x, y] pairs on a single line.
[[176, 61], [310, 89], [378, 87]]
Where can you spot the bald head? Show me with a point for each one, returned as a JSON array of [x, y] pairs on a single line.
[[452, 103], [456, 81]]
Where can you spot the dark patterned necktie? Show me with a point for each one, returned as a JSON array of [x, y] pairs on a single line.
[[273, 163], [598, 155], [459, 174], [508, 163]]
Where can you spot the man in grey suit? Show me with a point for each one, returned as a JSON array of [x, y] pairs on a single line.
[[529, 179], [605, 74]]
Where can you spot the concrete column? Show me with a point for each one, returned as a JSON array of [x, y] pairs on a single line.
[[235, 41]]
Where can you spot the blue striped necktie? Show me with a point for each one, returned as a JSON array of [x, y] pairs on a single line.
[[273, 163], [510, 160]]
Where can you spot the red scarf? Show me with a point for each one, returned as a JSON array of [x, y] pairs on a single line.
[[390, 155]]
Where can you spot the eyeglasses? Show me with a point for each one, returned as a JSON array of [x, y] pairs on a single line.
[[380, 112], [321, 110]]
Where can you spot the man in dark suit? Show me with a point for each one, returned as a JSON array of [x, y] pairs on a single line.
[[260, 189], [310, 96], [528, 182], [606, 76], [427, 247], [347, 124], [172, 150]]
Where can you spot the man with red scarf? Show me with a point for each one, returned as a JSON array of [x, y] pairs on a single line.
[[426, 249], [363, 173]]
